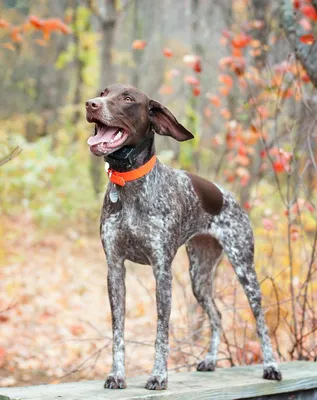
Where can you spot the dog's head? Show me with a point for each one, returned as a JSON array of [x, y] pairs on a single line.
[[123, 116]]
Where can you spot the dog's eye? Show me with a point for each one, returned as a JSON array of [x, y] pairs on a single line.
[[128, 98]]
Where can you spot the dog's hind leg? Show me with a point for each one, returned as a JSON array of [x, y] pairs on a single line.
[[204, 253], [232, 229]]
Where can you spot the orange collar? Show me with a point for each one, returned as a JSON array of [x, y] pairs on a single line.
[[120, 178]]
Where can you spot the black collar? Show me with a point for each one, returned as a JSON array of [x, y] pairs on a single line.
[[126, 156]]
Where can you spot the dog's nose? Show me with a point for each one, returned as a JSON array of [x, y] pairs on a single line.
[[93, 104]]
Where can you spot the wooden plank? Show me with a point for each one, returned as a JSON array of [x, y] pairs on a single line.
[[223, 384]]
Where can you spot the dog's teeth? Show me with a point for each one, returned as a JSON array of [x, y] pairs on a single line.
[[118, 135]]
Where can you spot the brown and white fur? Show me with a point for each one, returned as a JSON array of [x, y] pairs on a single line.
[[157, 214]]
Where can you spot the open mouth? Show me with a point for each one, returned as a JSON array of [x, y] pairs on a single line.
[[106, 139]]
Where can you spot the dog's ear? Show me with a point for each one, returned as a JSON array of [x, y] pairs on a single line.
[[166, 124]]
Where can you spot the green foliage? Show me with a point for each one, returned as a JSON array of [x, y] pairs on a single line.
[[65, 57], [52, 187], [85, 49]]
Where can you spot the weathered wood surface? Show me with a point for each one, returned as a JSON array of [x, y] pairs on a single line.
[[299, 382]]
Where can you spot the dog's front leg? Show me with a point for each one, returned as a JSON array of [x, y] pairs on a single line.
[[163, 276], [116, 292]]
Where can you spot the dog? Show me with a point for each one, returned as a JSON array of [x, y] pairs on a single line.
[[150, 210]]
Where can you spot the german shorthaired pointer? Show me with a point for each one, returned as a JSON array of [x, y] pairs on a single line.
[[150, 210]]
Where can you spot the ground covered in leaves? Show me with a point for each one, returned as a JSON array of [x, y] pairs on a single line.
[[54, 312], [55, 322]]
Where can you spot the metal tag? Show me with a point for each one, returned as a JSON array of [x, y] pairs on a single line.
[[113, 194]]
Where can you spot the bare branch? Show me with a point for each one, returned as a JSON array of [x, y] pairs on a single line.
[[9, 157]]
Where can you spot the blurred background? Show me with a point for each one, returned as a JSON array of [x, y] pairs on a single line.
[[242, 76]]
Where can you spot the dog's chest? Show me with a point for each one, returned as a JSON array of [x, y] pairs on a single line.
[[131, 232]]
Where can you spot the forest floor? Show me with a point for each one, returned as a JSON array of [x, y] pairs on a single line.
[[55, 322]]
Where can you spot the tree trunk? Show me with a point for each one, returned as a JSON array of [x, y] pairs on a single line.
[[79, 66], [136, 34], [107, 18], [306, 54]]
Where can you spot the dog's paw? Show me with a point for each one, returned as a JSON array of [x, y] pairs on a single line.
[[206, 365], [156, 382], [115, 382], [272, 373]]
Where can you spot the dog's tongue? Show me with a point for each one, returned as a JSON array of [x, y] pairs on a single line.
[[104, 134]]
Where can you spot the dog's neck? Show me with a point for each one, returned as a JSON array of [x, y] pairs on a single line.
[[138, 155]]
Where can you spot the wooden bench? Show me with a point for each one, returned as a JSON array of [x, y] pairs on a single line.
[[299, 382]]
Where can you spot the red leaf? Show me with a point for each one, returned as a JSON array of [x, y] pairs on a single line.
[[247, 205], [309, 11], [40, 42], [296, 4], [197, 66], [287, 93], [138, 44], [307, 39], [191, 80], [166, 89], [241, 40], [294, 236], [268, 224], [16, 35], [77, 330], [2, 356], [310, 207], [4, 24], [305, 78], [238, 66], [65, 29], [215, 100], [193, 61], [55, 24], [224, 90], [226, 79], [225, 113], [196, 91], [36, 22], [226, 34], [3, 318], [8, 46], [167, 52], [305, 24], [278, 166]]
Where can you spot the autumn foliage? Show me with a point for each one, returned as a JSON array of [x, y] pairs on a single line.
[[251, 107], [33, 23]]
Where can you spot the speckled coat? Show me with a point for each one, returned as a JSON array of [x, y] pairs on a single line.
[[152, 218]]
